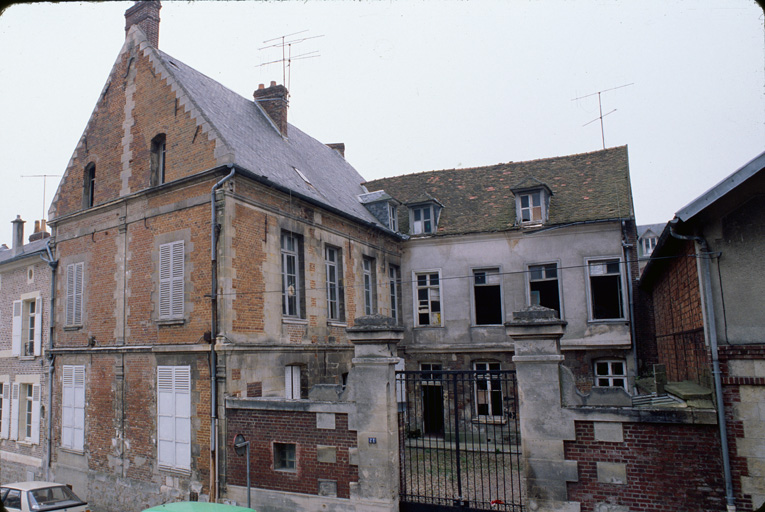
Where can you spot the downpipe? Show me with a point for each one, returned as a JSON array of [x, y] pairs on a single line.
[[214, 232], [626, 247], [53, 264], [706, 284]]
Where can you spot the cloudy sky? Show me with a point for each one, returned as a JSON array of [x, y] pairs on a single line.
[[418, 85]]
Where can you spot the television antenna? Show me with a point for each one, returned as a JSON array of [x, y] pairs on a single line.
[[45, 179], [600, 108], [285, 44]]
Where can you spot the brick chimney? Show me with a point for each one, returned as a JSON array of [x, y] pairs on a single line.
[[145, 14], [339, 147], [274, 101], [18, 235], [41, 231]]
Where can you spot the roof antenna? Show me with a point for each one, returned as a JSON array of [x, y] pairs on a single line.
[[286, 45], [45, 178], [600, 107]]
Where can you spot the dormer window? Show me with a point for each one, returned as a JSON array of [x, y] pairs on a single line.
[[649, 244], [531, 206], [532, 200], [392, 217], [423, 219]]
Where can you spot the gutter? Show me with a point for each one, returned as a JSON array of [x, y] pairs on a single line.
[[626, 247], [53, 264], [214, 232], [711, 327]]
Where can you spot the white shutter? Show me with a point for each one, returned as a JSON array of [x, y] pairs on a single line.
[[15, 412], [74, 293], [38, 327], [36, 414], [79, 408], [5, 420], [292, 382], [67, 407], [171, 280], [16, 329], [174, 416]]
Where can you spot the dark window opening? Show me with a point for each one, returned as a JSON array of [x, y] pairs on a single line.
[[158, 160], [487, 297], [606, 290], [89, 186], [543, 286], [284, 456]]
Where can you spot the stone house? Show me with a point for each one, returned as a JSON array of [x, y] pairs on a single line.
[[206, 249], [704, 279], [484, 242], [25, 298]]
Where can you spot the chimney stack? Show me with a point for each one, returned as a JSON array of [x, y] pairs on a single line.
[[41, 231], [145, 14], [18, 235], [274, 102], [339, 147]]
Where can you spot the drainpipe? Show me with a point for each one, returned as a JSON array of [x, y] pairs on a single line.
[[706, 285], [214, 334], [53, 264], [626, 248]]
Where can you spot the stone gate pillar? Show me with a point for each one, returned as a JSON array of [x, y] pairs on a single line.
[[536, 333], [372, 387]]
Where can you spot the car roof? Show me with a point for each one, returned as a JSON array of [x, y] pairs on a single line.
[[28, 486], [197, 506]]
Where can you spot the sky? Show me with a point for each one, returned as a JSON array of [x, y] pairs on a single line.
[[419, 85]]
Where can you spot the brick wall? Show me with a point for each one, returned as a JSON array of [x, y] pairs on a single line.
[[263, 428], [668, 468]]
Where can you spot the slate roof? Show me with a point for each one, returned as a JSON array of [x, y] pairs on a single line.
[[38, 246], [251, 141], [655, 228], [585, 187]]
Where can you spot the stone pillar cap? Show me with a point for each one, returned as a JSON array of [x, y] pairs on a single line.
[[375, 323], [535, 315]]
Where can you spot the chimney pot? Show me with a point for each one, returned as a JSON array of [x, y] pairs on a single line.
[[273, 83], [40, 231], [18, 235], [261, 86], [274, 101]]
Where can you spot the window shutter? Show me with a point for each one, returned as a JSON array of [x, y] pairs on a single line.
[[67, 407], [38, 328], [79, 408], [16, 332], [74, 294], [36, 414], [174, 416], [5, 421], [171, 280], [78, 286], [292, 382], [15, 412]]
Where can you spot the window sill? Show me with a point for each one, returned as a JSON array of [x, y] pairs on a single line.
[[72, 327], [337, 323], [608, 321], [72, 450], [174, 471], [25, 442], [296, 321], [428, 327], [170, 321], [27, 358], [287, 471]]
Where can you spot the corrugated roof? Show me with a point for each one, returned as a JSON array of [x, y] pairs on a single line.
[[586, 187], [257, 146]]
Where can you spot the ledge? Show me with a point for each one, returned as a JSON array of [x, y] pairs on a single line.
[[170, 321]]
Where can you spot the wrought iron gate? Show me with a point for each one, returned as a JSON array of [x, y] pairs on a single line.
[[460, 440]]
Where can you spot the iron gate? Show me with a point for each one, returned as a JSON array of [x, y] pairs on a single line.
[[460, 440]]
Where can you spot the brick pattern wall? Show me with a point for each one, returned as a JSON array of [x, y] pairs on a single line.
[[263, 428], [668, 468]]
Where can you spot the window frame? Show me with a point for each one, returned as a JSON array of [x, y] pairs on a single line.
[[418, 227], [369, 277], [428, 285], [336, 314], [74, 290], [610, 376], [26, 326], [293, 381], [89, 186], [292, 305], [485, 377], [588, 262], [393, 217], [25, 412], [496, 271], [394, 287], [530, 280], [281, 457], [158, 159], [73, 407]]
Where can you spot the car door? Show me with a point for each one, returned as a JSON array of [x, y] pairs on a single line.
[[11, 499]]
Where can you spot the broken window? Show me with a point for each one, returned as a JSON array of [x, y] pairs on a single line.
[[531, 207], [611, 373], [488, 389], [605, 282], [428, 299], [543, 286], [422, 220], [334, 266], [487, 296]]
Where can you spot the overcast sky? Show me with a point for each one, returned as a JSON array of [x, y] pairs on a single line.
[[413, 86]]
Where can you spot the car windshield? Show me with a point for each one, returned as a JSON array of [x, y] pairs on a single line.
[[52, 497]]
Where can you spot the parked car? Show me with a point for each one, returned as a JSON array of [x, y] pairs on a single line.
[[197, 506], [39, 497]]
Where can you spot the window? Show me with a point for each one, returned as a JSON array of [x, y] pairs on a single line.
[[606, 297], [292, 300], [27, 328], [158, 160], [543, 286], [284, 457], [370, 285], [5, 406], [611, 373], [73, 408], [171, 277], [89, 186], [12, 499], [488, 389], [431, 372], [394, 282], [293, 383], [392, 217], [487, 297], [174, 417], [74, 282], [648, 244], [531, 206], [428, 299], [334, 266], [25, 413], [422, 219]]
